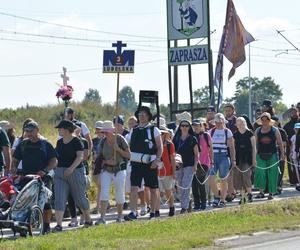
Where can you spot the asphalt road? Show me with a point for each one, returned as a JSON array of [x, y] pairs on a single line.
[[288, 192]]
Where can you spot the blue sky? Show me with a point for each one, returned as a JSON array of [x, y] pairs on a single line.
[[142, 18]]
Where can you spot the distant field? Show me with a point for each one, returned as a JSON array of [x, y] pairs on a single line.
[[181, 232]]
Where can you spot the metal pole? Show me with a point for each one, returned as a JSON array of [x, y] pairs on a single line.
[[117, 113], [190, 83], [175, 80], [170, 85], [210, 60], [249, 80]]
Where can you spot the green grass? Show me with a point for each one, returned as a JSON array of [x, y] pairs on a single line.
[[181, 232]]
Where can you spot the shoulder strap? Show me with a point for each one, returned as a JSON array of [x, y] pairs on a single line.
[[205, 134], [213, 130]]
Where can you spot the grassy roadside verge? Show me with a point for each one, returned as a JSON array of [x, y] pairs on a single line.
[[181, 232]]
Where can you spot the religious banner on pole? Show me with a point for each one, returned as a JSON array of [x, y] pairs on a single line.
[[232, 45], [118, 61]]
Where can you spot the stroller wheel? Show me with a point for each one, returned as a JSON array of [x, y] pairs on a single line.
[[36, 221]]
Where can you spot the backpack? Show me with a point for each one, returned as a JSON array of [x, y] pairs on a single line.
[[226, 133], [205, 134]]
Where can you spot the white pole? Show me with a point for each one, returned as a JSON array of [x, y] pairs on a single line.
[[250, 111]]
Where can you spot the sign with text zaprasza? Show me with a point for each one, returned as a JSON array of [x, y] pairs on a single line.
[[118, 61], [188, 55], [187, 19]]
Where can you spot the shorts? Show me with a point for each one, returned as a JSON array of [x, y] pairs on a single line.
[[221, 165], [119, 185], [166, 183], [143, 171], [242, 180], [128, 183]]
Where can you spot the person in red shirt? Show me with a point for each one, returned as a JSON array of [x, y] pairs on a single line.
[[166, 175]]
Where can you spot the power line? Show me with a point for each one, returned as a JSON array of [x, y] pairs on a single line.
[[78, 28], [285, 38], [72, 71], [71, 38], [69, 44]]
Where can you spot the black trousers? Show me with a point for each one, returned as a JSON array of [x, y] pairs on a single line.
[[291, 170], [199, 192]]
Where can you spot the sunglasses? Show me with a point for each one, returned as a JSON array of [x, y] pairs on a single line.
[[184, 125]]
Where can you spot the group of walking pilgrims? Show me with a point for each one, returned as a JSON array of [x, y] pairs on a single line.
[[218, 158]]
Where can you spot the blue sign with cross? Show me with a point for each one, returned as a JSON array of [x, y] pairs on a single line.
[[118, 61]]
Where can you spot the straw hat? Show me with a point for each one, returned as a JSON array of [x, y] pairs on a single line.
[[108, 127], [185, 116], [164, 129], [268, 116]]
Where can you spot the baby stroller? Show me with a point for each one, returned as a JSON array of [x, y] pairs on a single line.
[[25, 215]]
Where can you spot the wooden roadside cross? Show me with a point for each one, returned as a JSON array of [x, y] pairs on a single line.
[[65, 77]]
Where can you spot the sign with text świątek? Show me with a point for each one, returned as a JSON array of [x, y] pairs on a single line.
[[118, 61], [188, 55], [187, 19]]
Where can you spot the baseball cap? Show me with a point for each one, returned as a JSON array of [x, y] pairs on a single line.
[[196, 122], [66, 124], [211, 109], [298, 105], [99, 124], [31, 126], [120, 119]]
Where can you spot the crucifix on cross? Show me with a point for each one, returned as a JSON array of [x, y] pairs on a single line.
[[65, 77]]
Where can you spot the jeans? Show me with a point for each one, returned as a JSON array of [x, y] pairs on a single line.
[[184, 177]]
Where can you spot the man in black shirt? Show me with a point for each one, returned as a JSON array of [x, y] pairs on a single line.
[[289, 129], [38, 157]]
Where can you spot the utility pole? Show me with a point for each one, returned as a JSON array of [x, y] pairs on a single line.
[[249, 82]]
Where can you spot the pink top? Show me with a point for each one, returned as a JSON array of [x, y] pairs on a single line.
[[204, 157]]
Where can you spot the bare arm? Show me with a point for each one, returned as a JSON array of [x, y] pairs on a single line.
[[159, 145], [125, 153], [280, 144], [230, 143], [85, 154], [7, 158], [90, 142], [253, 144], [196, 156], [211, 151], [14, 164]]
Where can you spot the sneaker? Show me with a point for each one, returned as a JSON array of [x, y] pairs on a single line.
[[203, 206], [130, 217], [260, 196], [230, 197], [183, 211], [57, 229], [152, 216], [46, 228], [73, 224], [196, 208], [250, 197], [88, 224], [270, 197], [157, 214], [119, 220], [243, 201], [148, 210], [216, 202], [221, 204], [297, 188], [143, 211], [100, 221], [172, 211]]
